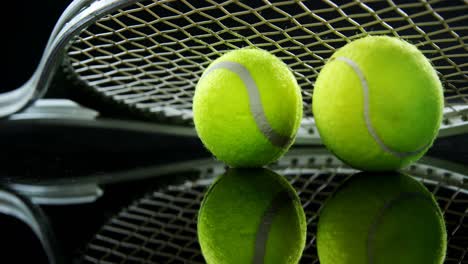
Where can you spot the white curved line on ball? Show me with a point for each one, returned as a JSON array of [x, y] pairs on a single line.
[[370, 128], [255, 103], [261, 239], [380, 216]]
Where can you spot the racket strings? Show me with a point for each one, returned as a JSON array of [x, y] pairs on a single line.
[[161, 227], [151, 54]]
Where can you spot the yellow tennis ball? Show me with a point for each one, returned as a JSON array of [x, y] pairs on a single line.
[[251, 216], [378, 103], [247, 108], [381, 219]]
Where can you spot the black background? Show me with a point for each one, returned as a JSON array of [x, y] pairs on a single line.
[[26, 26]]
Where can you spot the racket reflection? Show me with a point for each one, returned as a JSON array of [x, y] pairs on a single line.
[[161, 226]]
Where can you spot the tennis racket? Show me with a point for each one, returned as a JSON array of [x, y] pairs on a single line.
[[144, 58]]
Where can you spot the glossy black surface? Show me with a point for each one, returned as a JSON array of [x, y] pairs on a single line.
[[38, 158]]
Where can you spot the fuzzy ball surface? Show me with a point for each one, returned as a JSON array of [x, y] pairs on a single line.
[[247, 108], [378, 103], [251, 216], [381, 219]]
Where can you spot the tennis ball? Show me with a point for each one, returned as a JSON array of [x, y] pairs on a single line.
[[381, 219], [378, 103], [247, 108], [251, 216]]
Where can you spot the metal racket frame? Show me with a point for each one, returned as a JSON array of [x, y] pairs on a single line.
[[21, 208], [78, 15]]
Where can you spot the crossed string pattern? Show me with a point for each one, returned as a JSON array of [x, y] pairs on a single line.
[[151, 54], [161, 226]]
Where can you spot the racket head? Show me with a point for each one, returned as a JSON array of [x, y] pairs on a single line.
[[148, 56], [161, 227]]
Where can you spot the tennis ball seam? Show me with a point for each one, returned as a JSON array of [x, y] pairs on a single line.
[[278, 201], [255, 104], [265, 225], [399, 154], [373, 229]]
